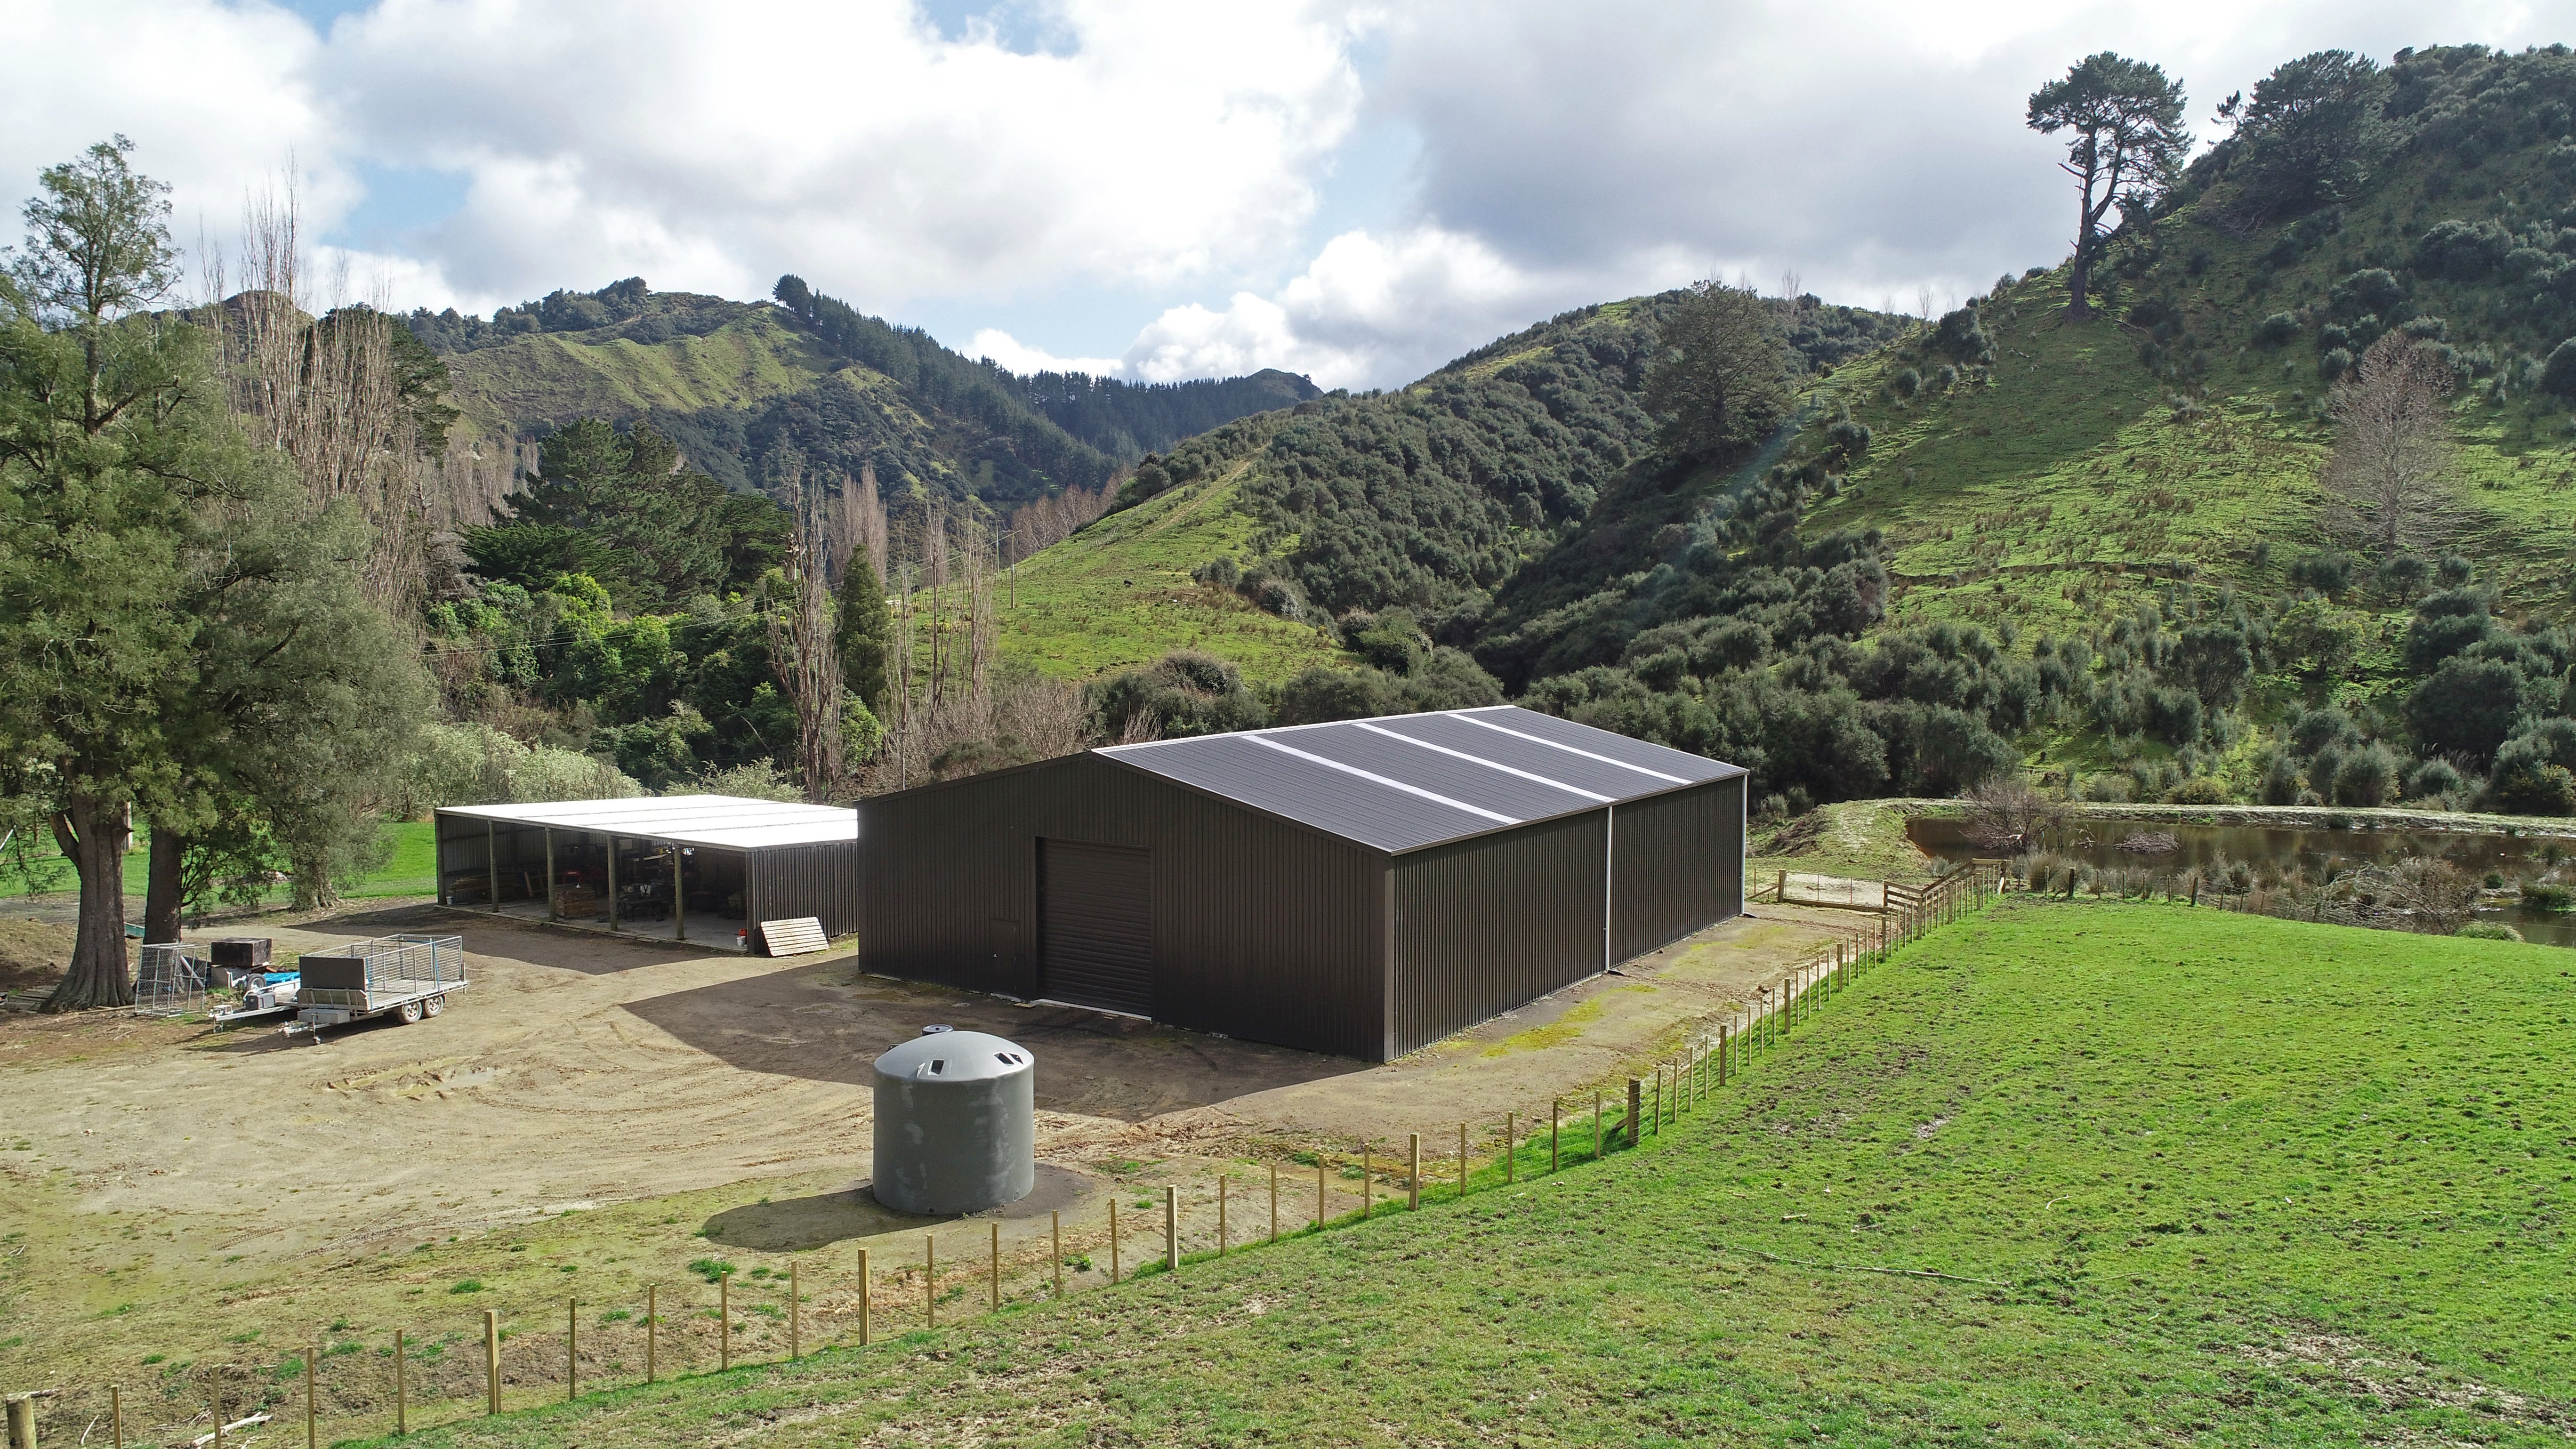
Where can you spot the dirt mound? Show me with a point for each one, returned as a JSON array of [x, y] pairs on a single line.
[[33, 953]]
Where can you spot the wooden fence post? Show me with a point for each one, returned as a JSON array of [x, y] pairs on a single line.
[[1555, 1124], [995, 1301], [312, 1367], [1636, 1099], [219, 1416], [1055, 1235], [1721, 1054], [402, 1409], [867, 1296], [795, 1314], [116, 1417], [491, 1361], [1113, 1240], [929, 1280], [1412, 1171], [653, 1325], [1171, 1228], [724, 1321], [572, 1348]]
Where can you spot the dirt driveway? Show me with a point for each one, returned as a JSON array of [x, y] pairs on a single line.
[[583, 1069], [620, 1105]]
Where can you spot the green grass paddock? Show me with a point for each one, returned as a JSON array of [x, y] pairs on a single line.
[[2190, 1177], [412, 869]]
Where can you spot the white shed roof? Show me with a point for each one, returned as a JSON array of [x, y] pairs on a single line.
[[725, 821]]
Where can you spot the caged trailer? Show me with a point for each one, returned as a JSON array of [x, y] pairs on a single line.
[[404, 977]]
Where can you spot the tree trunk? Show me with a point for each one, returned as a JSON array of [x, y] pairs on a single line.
[[2079, 277], [92, 836], [161, 891], [312, 881]]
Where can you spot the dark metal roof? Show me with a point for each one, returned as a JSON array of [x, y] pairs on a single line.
[[1403, 782]]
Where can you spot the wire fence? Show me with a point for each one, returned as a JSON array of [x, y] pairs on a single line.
[[487, 1361]]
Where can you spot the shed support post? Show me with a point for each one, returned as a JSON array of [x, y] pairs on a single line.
[[612, 882], [492, 862], [679, 899], [550, 875], [1609, 846]]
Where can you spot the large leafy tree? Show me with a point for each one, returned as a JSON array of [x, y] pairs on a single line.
[[2125, 147], [292, 713], [2309, 134], [112, 438], [1721, 375]]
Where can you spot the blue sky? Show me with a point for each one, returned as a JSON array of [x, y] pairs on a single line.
[[1160, 188]]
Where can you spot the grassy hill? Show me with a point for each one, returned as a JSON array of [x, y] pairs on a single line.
[[2304, 1186], [737, 384]]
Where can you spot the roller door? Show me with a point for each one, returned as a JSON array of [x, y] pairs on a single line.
[[1096, 925]]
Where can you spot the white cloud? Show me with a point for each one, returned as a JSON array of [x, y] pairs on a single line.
[[1366, 310], [1021, 358], [218, 100], [717, 146]]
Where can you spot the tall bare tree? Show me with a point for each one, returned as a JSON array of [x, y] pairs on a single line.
[[802, 627], [339, 396], [2387, 481]]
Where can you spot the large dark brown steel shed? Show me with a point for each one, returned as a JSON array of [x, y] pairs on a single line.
[[1364, 888]]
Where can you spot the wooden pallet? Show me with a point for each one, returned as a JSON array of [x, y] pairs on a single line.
[[794, 938]]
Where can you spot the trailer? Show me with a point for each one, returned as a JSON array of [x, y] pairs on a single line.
[[404, 977]]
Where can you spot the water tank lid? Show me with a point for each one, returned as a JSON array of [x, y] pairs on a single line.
[[954, 1056], [935, 1029]]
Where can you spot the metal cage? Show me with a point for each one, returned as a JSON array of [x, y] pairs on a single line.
[[169, 982]]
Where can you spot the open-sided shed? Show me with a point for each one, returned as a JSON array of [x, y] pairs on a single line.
[[1364, 887], [712, 864]]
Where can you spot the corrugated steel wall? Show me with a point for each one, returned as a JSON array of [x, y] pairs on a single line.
[[788, 882], [1485, 925], [1262, 929], [1678, 865]]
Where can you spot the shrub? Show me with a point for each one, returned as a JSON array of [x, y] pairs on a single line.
[[2199, 790], [1908, 382], [2558, 374], [2488, 931], [2433, 777], [2367, 776], [2332, 363], [2276, 330], [2280, 783], [2541, 895], [2526, 784], [2327, 573]]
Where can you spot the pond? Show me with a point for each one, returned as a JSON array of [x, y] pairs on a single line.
[[2313, 854]]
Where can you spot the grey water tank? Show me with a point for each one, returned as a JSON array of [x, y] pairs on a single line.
[[956, 1124]]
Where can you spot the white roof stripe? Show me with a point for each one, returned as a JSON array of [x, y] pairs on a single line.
[[1481, 760], [1569, 749], [1376, 779]]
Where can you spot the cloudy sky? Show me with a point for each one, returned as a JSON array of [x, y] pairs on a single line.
[[1154, 188]]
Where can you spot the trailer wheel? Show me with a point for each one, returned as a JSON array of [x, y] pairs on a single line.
[[407, 1013], [433, 1006]]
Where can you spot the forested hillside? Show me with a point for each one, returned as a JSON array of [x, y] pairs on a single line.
[[2182, 542]]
